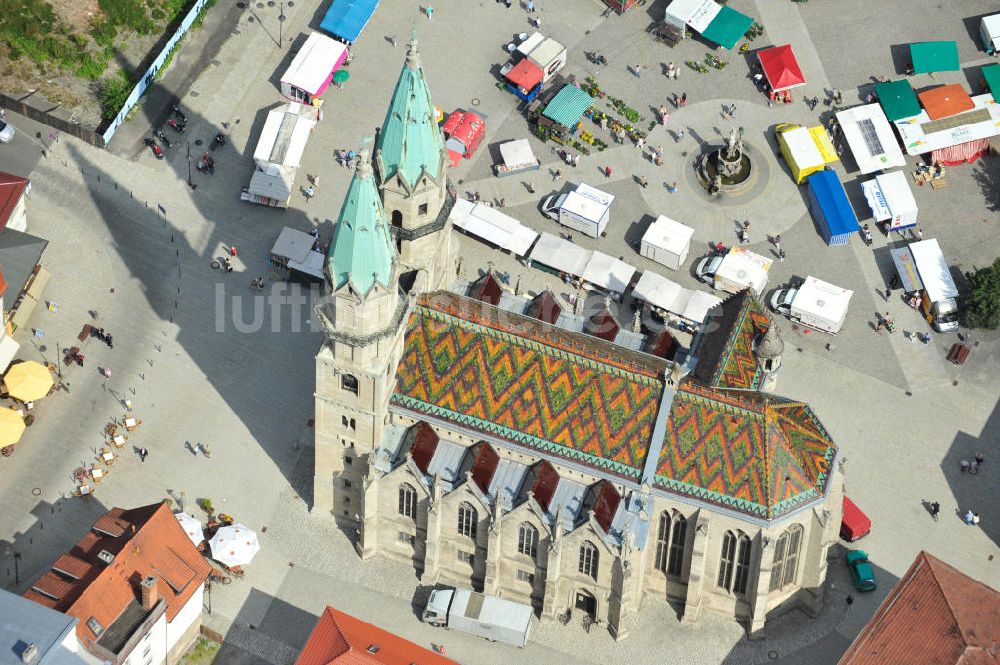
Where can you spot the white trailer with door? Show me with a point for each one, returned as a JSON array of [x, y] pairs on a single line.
[[815, 304], [667, 242], [587, 210], [496, 619]]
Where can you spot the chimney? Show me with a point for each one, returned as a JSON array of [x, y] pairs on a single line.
[[28, 653], [150, 595]]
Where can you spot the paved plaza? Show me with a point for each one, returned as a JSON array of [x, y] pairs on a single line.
[[131, 246]]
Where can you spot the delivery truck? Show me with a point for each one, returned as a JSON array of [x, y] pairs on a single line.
[[814, 303], [739, 269], [923, 270], [496, 619], [585, 209]]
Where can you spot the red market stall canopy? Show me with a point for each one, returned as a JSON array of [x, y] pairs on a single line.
[[934, 57], [781, 68], [525, 75], [945, 101]]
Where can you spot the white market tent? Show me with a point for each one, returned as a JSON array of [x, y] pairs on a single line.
[[284, 136], [922, 135], [871, 138], [493, 226], [313, 66], [667, 242], [608, 273], [890, 198], [696, 13], [660, 291], [561, 255], [517, 154], [696, 309]]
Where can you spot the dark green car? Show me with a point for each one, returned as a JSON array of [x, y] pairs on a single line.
[[862, 573]]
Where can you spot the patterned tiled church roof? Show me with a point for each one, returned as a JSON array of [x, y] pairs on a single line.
[[726, 358], [534, 385], [753, 453]]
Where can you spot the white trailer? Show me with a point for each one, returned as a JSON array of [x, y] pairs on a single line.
[[495, 619], [667, 242], [587, 210], [815, 304], [739, 269]]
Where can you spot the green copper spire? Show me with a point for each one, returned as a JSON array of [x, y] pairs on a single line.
[[410, 140], [362, 251]]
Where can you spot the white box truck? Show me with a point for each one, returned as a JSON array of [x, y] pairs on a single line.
[[586, 209], [815, 304], [739, 269], [496, 619], [922, 269], [667, 242]]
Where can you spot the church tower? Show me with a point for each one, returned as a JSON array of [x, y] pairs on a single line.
[[363, 317], [411, 161]]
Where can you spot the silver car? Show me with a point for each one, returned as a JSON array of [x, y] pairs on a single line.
[[6, 132]]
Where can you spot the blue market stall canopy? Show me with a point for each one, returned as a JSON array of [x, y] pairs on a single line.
[[831, 208], [568, 106], [727, 27], [347, 18], [934, 57]]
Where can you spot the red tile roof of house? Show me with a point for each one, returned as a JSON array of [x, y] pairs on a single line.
[[935, 614], [146, 541], [341, 639], [11, 190]]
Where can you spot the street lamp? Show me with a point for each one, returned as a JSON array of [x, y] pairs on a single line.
[[281, 23]]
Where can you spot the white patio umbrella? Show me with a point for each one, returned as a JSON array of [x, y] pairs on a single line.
[[234, 545], [192, 528]]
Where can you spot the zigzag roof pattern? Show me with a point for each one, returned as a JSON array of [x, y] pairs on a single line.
[[726, 358], [759, 454], [520, 380]]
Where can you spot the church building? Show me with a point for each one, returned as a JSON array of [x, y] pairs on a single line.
[[477, 435]]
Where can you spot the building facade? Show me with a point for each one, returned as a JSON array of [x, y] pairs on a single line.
[[135, 583], [492, 443]]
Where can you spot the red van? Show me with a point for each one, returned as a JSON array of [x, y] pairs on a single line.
[[855, 523]]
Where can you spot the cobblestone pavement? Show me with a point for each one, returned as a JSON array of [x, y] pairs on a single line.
[[132, 242]]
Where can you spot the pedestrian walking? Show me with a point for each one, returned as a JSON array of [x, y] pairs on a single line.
[[538, 22], [643, 181], [777, 241], [684, 99], [672, 188], [781, 256], [142, 454], [310, 192], [679, 135], [637, 71], [576, 161], [232, 250], [888, 295], [607, 171], [429, 11], [935, 509], [531, 187], [746, 231], [509, 3], [640, 143], [529, 6], [920, 234], [315, 180], [556, 175]]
